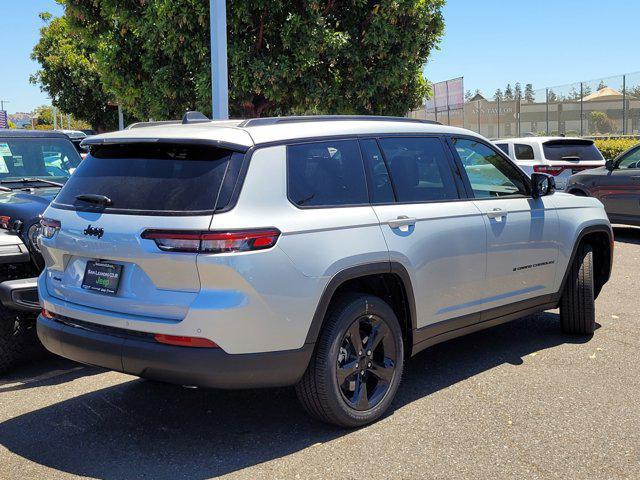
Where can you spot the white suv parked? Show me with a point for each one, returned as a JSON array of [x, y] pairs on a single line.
[[319, 252], [557, 156]]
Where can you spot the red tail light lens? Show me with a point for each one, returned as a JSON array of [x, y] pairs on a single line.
[[185, 341], [213, 242], [548, 169]]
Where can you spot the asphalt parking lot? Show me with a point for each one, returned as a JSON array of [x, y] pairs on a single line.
[[519, 401]]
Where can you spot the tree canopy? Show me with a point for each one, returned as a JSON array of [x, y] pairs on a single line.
[[308, 56], [69, 74]]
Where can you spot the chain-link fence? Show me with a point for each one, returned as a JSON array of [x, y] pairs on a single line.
[[603, 107]]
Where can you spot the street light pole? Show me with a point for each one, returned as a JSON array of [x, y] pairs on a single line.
[[219, 80]]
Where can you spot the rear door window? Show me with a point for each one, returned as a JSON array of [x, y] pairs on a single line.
[[523, 152], [155, 179], [326, 174], [571, 150], [420, 169], [504, 147]]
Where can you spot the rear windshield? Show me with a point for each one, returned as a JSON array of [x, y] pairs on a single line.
[[160, 179], [48, 158], [571, 150]]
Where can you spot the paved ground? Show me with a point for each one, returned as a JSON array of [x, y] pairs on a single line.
[[519, 401]]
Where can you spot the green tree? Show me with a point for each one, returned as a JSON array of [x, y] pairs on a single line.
[[517, 91], [284, 57], [602, 85], [508, 93], [498, 95], [529, 95], [69, 74], [11, 124]]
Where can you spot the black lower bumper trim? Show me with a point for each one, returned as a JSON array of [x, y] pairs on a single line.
[[20, 294], [202, 367]]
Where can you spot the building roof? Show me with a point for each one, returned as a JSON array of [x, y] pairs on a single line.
[[606, 93]]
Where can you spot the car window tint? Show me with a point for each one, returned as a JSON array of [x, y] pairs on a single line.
[[630, 160], [571, 149], [326, 174], [155, 178], [381, 190], [490, 174], [419, 169], [504, 147], [523, 152]]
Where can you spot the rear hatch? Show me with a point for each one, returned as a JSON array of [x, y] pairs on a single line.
[[99, 258], [572, 154]]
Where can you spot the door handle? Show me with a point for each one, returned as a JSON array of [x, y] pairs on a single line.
[[497, 213], [401, 221]]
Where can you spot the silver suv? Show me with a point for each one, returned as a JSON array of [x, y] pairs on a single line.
[[320, 252]]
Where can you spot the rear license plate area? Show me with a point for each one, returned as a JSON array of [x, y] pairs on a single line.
[[102, 277]]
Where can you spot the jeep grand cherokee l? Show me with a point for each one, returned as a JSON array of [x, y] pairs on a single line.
[[320, 252]]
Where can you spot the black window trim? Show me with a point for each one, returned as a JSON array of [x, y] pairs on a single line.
[[465, 178]]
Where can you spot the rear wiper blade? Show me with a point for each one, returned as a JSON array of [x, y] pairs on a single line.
[[94, 198], [31, 180]]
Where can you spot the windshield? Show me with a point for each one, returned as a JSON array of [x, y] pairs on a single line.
[[48, 158], [571, 150], [154, 179]]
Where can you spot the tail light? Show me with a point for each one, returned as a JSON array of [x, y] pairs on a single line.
[[213, 242], [47, 314], [179, 341], [4, 221], [49, 227], [548, 169]]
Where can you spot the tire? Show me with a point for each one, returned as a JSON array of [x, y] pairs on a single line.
[[379, 368], [577, 305], [18, 339]]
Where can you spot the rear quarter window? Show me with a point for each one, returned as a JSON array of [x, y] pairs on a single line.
[[155, 179], [326, 174], [523, 152]]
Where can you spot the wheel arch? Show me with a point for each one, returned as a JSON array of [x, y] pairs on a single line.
[[600, 237], [388, 280]]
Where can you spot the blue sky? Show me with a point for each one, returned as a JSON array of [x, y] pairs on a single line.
[[489, 42]]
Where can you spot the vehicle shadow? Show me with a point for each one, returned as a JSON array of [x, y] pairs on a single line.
[[46, 369], [627, 234], [153, 430]]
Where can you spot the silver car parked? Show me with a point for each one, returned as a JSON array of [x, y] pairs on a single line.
[[320, 252]]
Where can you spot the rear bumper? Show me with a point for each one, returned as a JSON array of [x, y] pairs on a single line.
[[20, 294], [136, 354]]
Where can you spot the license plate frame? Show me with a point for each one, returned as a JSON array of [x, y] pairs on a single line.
[[102, 277]]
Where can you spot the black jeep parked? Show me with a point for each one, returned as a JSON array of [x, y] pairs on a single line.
[[34, 165]]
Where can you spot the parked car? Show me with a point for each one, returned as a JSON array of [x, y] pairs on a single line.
[[557, 156], [33, 167], [616, 185], [319, 252], [76, 137]]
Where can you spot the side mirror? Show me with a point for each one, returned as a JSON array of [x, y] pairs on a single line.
[[542, 184], [610, 165]]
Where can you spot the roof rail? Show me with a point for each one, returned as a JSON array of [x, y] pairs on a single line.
[[189, 117], [152, 124], [254, 122]]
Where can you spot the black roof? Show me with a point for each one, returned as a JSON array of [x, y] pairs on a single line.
[[5, 133]]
